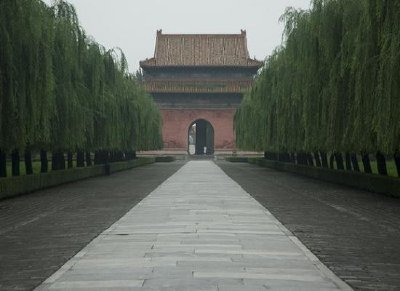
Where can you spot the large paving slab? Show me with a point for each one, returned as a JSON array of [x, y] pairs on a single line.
[[199, 230]]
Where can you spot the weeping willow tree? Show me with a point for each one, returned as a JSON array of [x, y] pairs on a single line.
[[62, 92], [386, 120], [68, 119], [148, 136], [333, 87], [102, 101], [7, 94], [26, 77]]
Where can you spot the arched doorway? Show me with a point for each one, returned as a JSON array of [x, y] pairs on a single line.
[[201, 138]]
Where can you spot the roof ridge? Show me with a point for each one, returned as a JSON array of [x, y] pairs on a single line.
[[200, 34], [160, 33]]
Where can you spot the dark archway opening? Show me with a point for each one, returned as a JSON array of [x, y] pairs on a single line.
[[201, 138]]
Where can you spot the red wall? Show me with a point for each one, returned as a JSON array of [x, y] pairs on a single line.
[[176, 124]]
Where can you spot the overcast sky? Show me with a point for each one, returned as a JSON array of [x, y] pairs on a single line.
[[132, 24]]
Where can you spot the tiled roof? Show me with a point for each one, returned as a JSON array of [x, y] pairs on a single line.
[[201, 50]]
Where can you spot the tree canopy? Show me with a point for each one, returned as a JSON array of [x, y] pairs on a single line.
[[62, 91], [333, 85]]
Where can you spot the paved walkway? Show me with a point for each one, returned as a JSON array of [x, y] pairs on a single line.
[[199, 230], [355, 233], [41, 231]]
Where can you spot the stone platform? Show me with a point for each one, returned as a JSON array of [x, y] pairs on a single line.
[[199, 230]]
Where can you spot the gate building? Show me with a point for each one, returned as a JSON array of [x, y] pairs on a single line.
[[198, 81]]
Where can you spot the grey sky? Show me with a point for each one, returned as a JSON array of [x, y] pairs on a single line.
[[131, 24]]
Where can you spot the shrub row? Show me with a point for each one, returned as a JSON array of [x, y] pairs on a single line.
[[373, 183], [13, 186]]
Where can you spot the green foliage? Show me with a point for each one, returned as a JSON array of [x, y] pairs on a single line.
[[332, 86], [62, 91], [26, 73]]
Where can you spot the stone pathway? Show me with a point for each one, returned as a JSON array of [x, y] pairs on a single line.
[[355, 233], [199, 230]]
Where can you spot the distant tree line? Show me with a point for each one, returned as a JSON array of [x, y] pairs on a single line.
[[61, 92], [331, 93]]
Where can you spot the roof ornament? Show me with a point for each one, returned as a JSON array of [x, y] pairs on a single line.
[[159, 32], [243, 31]]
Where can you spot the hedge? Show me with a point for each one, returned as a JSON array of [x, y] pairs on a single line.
[[374, 183], [14, 186]]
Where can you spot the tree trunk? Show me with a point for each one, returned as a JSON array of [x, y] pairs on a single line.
[[80, 159], [58, 161], [298, 159], [293, 158], [44, 167], [324, 159], [3, 164], [97, 158], [381, 163], [348, 162], [284, 157], [128, 156], [88, 159], [116, 157], [339, 161], [121, 156], [112, 157], [331, 161], [54, 166], [28, 162], [397, 162], [101, 157], [271, 156], [366, 163], [62, 161], [310, 160], [15, 163], [131, 155], [354, 162], [70, 161], [317, 159], [302, 159]]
